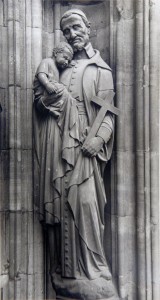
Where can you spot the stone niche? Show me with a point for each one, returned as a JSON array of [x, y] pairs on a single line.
[[127, 34]]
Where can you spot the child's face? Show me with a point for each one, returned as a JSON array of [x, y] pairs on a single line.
[[63, 58]]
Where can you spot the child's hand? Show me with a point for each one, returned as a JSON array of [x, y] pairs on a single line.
[[50, 88], [59, 90]]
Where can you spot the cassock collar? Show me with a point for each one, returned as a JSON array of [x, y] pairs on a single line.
[[89, 50], [94, 58]]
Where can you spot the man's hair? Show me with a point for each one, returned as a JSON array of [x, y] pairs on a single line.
[[60, 48], [75, 12]]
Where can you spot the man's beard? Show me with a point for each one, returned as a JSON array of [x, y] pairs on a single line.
[[78, 47]]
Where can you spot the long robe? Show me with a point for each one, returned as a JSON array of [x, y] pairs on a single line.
[[71, 185]]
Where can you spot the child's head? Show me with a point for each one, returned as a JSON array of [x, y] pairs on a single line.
[[63, 54]]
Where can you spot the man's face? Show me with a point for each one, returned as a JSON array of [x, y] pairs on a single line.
[[76, 32]]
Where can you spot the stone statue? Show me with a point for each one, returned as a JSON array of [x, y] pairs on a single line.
[[72, 195], [46, 82]]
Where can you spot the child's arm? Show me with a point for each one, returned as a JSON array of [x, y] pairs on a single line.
[[50, 87]]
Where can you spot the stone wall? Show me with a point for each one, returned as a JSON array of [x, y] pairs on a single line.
[[127, 34], [135, 60]]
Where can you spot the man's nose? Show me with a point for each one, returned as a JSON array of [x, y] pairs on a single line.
[[72, 33]]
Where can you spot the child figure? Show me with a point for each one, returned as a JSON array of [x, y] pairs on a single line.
[[55, 127], [52, 101], [46, 82]]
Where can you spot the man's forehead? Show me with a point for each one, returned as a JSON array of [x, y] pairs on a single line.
[[72, 19]]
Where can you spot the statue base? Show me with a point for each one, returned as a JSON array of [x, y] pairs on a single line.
[[84, 289], [112, 298]]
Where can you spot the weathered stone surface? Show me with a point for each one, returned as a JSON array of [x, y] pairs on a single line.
[[83, 289], [127, 34]]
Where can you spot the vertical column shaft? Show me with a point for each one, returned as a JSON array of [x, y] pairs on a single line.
[[147, 149], [57, 15], [125, 156], [154, 146]]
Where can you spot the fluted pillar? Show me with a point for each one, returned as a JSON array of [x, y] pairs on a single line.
[[135, 161], [28, 31], [21, 244], [154, 92], [123, 162]]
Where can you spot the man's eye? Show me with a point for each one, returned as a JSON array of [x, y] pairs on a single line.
[[75, 27], [66, 32]]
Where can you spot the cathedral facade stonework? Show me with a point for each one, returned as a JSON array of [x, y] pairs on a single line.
[[108, 248]]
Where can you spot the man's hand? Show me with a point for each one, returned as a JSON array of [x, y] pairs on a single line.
[[93, 146]]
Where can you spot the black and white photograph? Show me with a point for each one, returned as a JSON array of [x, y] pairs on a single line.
[[79, 149]]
